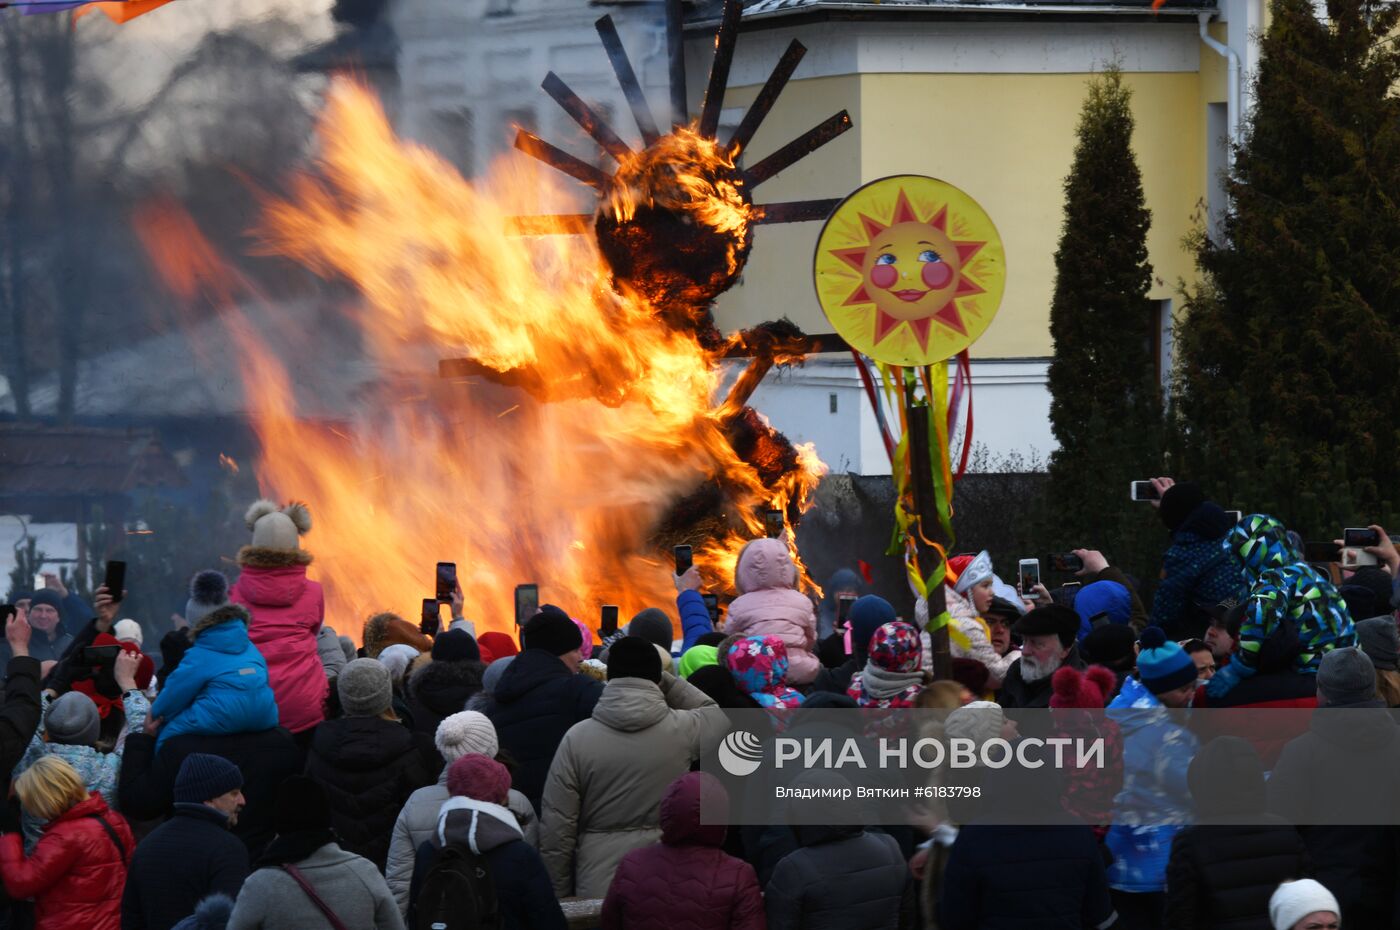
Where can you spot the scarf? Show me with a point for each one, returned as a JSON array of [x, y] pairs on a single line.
[[876, 687], [293, 847]]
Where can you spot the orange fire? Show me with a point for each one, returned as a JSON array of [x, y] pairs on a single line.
[[593, 417]]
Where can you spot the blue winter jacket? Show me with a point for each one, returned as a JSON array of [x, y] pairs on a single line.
[[220, 687], [695, 618], [1197, 572], [1155, 803]]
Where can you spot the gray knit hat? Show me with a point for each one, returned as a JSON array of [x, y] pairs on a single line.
[[365, 688], [493, 673], [73, 721], [1380, 640], [208, 592], [1346, 676]]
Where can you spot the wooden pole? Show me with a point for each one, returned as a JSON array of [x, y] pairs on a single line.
[[926, 506]]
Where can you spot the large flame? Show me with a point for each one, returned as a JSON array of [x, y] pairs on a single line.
[[594, 419]]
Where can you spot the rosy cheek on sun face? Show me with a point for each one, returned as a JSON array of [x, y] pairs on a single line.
[[884, 276], [937, 275]]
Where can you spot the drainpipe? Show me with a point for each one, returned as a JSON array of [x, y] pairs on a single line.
[[1233, 104]]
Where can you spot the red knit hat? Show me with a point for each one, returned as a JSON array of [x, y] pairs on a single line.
[[1090, 690], [479, 778], [499, 645]]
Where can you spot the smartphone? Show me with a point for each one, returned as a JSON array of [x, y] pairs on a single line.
[[1029, 571], [527, 602], [1357, 558], [843, 609], [773, 521], [431, 620], [39, 582], [115, 580], [1235, 515], [99, 655], [1321, 553], [1358, 537], [609, 625], [1142, 491], [683, 559], [6, 612], [712, 605], [446, 581], [1068, 562]]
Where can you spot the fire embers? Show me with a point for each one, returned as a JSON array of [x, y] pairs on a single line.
[[675, 226]]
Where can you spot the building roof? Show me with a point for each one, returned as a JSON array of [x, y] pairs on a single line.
[[81, 461], [707, 13]]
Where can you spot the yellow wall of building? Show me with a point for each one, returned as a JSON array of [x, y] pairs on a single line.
[[1006, 139]]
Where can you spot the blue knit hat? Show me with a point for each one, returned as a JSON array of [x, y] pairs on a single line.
[[1162, 665], [867, 615], [1102, 597], [204, 776], [46, 596]]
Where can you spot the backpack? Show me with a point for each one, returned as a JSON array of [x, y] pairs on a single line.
[[458, 893]]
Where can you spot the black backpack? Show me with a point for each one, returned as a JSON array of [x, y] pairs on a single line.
[[458, 893]]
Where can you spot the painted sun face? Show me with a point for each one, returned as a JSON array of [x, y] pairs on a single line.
[[912, 271], [909, 270]]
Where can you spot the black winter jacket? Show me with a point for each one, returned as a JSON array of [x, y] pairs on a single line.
[[1222, 874], [441, 689], [369, 766], [146, 789], [842, 878], [1017, 692], [189, 857], [19, 715], [536, 701], [1024, 878], [1349, 757]]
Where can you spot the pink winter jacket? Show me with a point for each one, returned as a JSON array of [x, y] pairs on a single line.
[[770, 605], [287, 611]]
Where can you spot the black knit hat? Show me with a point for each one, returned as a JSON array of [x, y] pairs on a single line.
[[634, 657], [551, 630], [456, 646], [204, 776], [301, 804], [1110, 645], [1179, 502]]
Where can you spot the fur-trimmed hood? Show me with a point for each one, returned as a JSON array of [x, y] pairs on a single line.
[[222, 615], [445, 687], [387, 629], [265, 557]]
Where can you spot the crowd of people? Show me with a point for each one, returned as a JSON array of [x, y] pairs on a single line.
[[257, 770]]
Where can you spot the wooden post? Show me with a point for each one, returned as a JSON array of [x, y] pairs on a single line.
[[926, 505]]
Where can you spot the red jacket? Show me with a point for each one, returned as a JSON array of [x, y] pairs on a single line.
[[76, 873], [287, 611], [685, 882]]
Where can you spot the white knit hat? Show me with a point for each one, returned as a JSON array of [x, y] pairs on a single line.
[[464, 733], [128, 631], [396, 659], [1295, 900], [978, 721]]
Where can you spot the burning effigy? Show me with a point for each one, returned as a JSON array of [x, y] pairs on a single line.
[[581, 426]]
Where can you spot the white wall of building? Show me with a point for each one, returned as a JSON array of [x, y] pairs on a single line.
[[1011, 412]]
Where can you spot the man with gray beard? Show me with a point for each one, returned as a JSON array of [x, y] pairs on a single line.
[[1047, 643]]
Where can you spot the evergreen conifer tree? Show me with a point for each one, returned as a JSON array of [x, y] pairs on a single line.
[[1288, 391], [1106, 402]]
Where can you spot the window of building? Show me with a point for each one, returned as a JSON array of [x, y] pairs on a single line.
[[833, 402], [1162, 337], [452, 131]]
